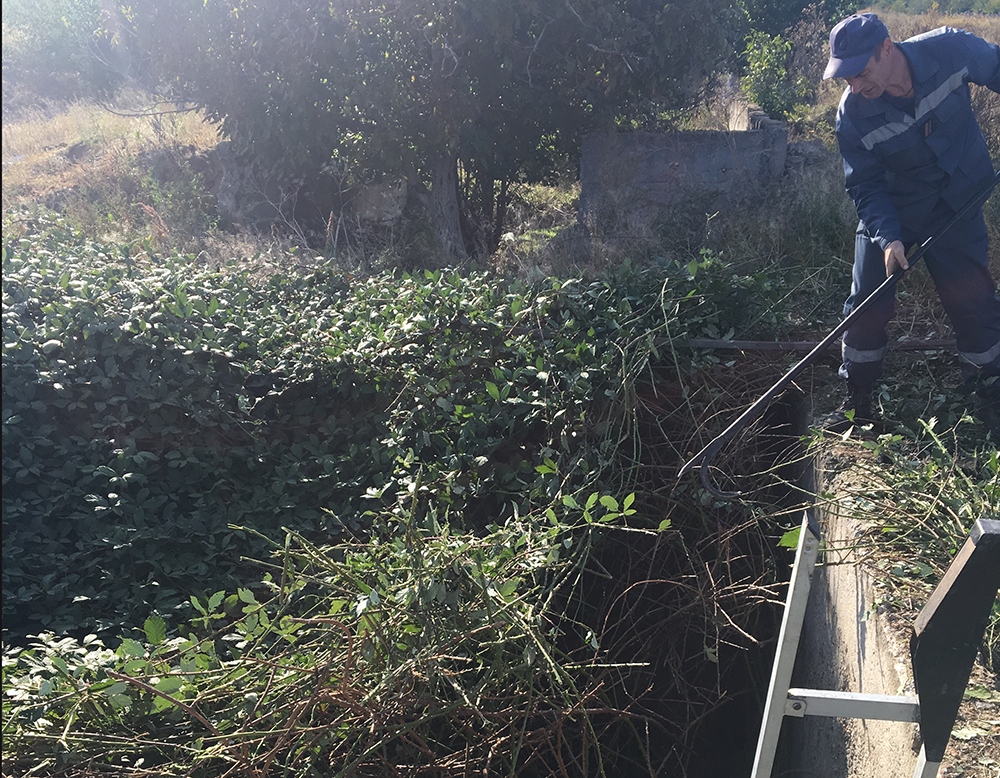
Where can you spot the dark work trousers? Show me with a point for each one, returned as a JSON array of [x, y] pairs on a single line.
[[959, 265]]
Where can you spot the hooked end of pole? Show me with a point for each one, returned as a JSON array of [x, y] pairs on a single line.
[[714, 490], [700, 462]]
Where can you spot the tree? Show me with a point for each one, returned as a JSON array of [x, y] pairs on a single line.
[[767, 81], [413, 88], [55, 50]]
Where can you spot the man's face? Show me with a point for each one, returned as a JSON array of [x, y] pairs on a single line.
[[871, 82]]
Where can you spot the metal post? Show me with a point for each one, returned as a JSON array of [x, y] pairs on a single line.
[[924, 768], [946, 637], [788, 644], [877, 707]]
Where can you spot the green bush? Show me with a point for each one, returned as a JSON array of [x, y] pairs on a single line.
[[424, 460], [148, 407], [456, 484], [438, 631], [766, 80]]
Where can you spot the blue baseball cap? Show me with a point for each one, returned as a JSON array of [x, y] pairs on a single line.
[[852, 43]]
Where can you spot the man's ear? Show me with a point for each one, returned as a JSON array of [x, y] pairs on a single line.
[[887, 45]]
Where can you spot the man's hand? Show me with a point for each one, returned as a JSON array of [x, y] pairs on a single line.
[[895, 257]]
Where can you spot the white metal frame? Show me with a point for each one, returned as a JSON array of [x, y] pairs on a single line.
[[784, 701]]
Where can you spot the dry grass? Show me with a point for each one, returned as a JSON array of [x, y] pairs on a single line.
[[43, 154], [144, 181], [104, 172], [903, 26]]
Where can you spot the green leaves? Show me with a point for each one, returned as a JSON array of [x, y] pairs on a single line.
[[790, 539], [155, 629], [149, 422], [442, 466], [612, 510], [130, 647], [766, 81], [453, 613]]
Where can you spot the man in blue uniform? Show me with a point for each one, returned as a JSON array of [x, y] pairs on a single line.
[[913, 156]]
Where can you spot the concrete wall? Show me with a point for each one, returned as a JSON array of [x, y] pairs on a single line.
[[848, 646], [628, 179]]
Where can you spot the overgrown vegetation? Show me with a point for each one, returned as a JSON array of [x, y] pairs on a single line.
[[937, 488], [918, 489], [767, 82], [279, 510], [428, 651], [468, 489], [164, 424]]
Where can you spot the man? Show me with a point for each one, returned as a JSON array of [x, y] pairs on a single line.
[[913, 156]]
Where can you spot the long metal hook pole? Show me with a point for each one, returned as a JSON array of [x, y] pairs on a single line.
[[704, 457]]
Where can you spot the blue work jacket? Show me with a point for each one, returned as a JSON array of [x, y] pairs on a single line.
[[902, 158]]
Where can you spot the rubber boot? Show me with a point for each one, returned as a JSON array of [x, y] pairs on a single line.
[[855, 410], [986, 400]]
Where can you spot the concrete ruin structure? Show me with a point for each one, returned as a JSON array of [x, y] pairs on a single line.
[[629, 179]]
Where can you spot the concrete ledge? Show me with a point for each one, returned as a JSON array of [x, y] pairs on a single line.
[[847, 645]]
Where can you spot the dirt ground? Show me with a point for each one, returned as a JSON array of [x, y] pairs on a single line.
[[974, 748]]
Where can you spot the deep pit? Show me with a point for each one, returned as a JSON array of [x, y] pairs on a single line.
[[689, 619]]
